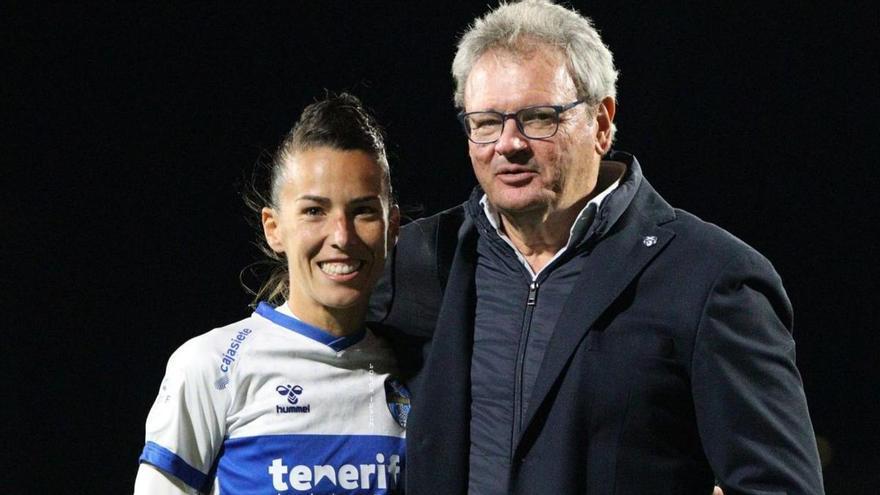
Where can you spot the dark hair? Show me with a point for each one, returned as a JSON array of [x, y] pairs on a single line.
[[338, 121]]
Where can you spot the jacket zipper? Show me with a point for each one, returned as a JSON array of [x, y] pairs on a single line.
[[518, 411]]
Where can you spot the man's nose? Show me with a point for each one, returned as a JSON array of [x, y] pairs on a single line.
[[511, 141]]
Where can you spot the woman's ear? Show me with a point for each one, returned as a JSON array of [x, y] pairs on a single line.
[[393, 225], [271, 229]]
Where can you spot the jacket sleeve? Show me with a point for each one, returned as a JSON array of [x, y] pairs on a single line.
[[405, 305], [748, 394], [407, 297]]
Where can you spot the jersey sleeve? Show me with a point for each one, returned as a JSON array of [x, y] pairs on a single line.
[[151, 481], [187, 423]]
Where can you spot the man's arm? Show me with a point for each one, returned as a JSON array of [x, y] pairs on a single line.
[[748, 395], [406, 302]]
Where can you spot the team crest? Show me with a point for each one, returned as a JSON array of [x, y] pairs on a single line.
[[397, 396]]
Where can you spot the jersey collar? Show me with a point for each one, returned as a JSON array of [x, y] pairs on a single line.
[[290, 322]]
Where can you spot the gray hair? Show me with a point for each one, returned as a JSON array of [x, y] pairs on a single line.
[[524, 26]]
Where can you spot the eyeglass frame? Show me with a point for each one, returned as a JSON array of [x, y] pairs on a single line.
[[559, 109]]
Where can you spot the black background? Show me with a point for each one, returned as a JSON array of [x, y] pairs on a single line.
[[129, 131]]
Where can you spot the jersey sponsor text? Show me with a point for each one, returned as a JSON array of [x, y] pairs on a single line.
[[229, 357], [348, 476]]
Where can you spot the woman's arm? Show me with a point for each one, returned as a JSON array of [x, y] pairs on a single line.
[[151, 481]]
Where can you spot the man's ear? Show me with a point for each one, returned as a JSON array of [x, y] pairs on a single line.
[[604, 121], [271, 229]]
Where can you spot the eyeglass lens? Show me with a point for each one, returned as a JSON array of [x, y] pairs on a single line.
[[535, 123]]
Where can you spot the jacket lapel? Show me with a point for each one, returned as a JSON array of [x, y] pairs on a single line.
[[612, 265]]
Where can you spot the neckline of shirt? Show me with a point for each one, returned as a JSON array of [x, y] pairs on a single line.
[[284, 317]]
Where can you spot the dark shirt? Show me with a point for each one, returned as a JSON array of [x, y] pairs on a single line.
[[515, 317]]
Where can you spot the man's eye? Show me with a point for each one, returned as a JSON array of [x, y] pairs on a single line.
[[484, 121], [538, 116]]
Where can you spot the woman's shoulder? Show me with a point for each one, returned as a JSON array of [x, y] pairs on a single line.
[[216, 349]]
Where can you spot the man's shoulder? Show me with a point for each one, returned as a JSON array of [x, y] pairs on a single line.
[[701, 240], [424, 239], [697, 250], [690, 231], [427, 226]]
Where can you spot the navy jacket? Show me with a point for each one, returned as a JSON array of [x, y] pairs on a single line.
[[672, 363]]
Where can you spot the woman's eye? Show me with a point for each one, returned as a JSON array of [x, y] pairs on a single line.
[[312, 211], [365, 210]]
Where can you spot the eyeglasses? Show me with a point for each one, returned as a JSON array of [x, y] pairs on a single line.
[[537, 122]]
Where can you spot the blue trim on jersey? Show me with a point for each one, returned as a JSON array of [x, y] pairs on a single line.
[[336, 343], [172, 464]]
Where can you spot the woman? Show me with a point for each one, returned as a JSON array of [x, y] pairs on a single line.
[[297, 398]]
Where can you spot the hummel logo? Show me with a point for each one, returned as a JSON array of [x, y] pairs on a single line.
[[291, 392]]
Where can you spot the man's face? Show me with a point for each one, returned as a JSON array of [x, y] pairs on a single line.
[[521, 175], [334, 228]]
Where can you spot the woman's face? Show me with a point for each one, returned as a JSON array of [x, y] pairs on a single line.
[[334, 227]]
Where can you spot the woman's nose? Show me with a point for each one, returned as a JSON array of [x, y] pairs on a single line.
[[343, 230]]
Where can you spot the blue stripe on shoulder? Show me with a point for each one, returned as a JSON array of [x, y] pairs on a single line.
[[171, 463], [317, 334]]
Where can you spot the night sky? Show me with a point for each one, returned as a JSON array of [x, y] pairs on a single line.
[[128, 133]]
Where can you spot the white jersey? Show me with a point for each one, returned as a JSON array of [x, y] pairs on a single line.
[[271, 404]]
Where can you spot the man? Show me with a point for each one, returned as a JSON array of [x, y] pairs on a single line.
[[566, 330]]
